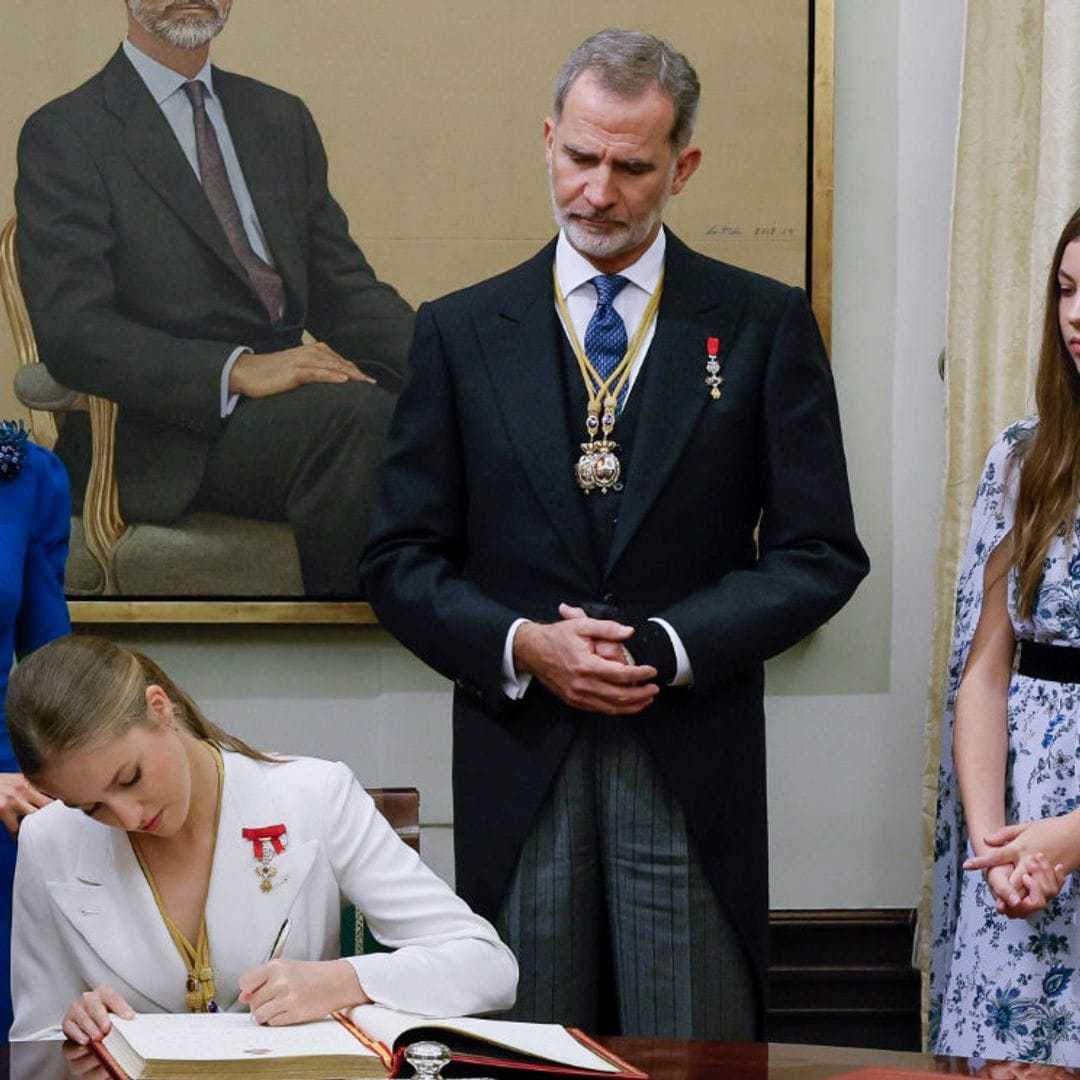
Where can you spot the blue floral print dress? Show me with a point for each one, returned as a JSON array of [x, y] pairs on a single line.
[[1005, 988]]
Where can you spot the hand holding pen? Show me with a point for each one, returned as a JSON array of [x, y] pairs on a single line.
[[283, 991], [274, 954]]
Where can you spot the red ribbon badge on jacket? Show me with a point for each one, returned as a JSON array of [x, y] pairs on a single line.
[[266, 841], [713, 378]]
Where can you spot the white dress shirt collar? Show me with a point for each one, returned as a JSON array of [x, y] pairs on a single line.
[[574, 270], [162, 81]]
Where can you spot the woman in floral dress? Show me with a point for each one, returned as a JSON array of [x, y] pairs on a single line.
[[1006, 944]]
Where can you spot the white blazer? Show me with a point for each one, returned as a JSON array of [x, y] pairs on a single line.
[[84, 915]]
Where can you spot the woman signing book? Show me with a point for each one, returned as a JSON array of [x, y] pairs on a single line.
[[160, 877]]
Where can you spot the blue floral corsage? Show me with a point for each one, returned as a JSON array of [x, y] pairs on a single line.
[[12, 448]]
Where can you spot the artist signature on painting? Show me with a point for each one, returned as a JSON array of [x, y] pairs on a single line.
[[765, 232]]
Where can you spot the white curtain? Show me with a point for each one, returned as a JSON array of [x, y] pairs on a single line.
[[1017, 182]]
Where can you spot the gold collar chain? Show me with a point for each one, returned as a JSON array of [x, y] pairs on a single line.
[[598, 468], [201, 992]]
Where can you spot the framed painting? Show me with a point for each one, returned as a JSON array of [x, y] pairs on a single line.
[[434, 143]]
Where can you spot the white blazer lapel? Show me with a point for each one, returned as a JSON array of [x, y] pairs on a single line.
[[110, 906], [241, 919]]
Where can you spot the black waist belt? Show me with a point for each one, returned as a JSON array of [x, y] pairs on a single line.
[[1058, 663]]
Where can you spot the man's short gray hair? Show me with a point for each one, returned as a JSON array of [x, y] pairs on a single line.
[[628, 63]]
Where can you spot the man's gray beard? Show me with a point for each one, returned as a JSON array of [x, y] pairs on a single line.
[[598, 244], [190, 32]]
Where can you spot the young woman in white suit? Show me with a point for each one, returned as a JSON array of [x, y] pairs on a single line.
[[159, 878]]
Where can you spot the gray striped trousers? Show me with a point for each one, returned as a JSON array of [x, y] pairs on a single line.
[[609, 854]]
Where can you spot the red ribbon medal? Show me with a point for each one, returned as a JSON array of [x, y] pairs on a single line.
[[266, 841], [713, 379]]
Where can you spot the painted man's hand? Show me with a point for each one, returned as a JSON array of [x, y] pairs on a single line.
[[263, 374]]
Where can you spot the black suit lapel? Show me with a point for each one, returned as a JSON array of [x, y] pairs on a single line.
[[693, 308], [152, 148], [522, 348], [259, 142]]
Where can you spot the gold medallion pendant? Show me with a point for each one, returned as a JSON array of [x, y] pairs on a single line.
[[598, 468]]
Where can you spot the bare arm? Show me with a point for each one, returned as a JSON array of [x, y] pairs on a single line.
[[980, 739], [1025, 863]]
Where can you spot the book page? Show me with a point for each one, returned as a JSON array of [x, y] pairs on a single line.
[[551, 1042], [230, 1037]]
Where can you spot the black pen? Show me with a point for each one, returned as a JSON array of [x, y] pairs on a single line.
[[279, 942]]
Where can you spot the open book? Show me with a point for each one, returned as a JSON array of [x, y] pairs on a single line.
[[368, 1042], [167, 1045], [482, 1047]]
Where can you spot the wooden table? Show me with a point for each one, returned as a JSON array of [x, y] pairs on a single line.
[[662, 1059], [684, 1059]]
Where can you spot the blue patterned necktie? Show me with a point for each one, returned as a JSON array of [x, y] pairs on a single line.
[[605, 336]]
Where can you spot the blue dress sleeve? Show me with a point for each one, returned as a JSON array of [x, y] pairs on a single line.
[[43, 613]]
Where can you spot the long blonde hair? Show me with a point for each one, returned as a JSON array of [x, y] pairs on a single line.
[[1050, 474], [78, 692]]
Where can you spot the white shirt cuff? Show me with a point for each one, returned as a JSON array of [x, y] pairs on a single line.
[[684, 675], [513, 684], [228, 401]]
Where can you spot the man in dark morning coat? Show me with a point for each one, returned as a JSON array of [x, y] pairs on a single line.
[[138, 293], [606, 630]]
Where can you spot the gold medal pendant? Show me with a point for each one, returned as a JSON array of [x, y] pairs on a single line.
[[266, 873], [598, 468]]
